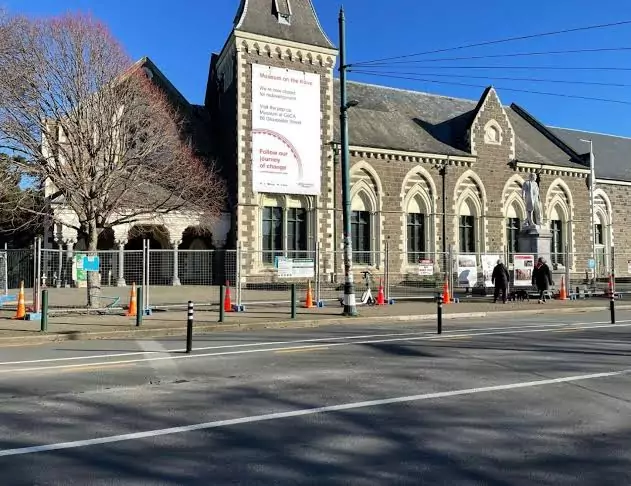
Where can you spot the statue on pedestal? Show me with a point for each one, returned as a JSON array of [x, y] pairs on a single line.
[[534, 208]]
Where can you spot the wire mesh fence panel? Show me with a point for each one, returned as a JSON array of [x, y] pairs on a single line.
[[415, 275], [266, 277], [4, 282], [52, 268], [20, 267], [133, 262]]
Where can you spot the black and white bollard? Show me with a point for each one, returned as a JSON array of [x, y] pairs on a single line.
[[439, 314], [612, 306], [189, 327]]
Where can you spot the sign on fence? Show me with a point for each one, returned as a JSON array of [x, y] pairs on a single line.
[[82, 265], [295, 267], [523, 265], [467, 270], [425, 268], [488, 264]]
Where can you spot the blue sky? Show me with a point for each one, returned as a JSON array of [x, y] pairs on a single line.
[[180, 36]]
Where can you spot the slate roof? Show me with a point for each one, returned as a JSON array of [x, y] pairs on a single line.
[[259, 17], [396, 119], [612, 154], [532, 145]]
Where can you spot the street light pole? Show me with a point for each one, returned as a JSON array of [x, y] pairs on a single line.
[[350, 307], [592, 188]]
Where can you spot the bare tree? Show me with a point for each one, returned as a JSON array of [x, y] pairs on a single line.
[[105, 138]]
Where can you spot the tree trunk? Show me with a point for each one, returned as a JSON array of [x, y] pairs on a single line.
[[94, 278]]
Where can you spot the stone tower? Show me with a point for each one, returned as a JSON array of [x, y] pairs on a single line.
[[270, 93]]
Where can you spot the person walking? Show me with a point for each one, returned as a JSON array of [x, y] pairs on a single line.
[[500, 278], [542, 279]]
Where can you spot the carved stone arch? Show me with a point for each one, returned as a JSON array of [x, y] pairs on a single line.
[[493, 133], [329, 61], [257, 48], [268, 50], [425, 175], [477, 182], [361, 168], [419, 192], [559, 204], [514, 200], [469, 196], [310, 57], [557, 184], [599, 193], [366, 192], [320, 60], [513, 184], [299, 55], [245, 46]]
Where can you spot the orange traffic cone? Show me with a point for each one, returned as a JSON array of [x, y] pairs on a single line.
[[309, 299], [227, 302], [21, 310], [562, 292], [133, 303], [381, 297], [446, 296]]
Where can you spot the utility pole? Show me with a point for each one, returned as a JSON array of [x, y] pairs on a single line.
[[350, 307], [592, 202]]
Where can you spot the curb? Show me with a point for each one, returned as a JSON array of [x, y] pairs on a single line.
[[297, 324]]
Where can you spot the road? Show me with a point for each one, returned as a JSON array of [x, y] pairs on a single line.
[[528, 400]]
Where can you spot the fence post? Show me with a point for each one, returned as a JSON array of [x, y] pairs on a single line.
[[38, 275], [568, 283], [238, 273], [6, 269], [44, 319], [386, 272], [450, 268], [222, 298], [189, 327], [145, 273], [316, 270]]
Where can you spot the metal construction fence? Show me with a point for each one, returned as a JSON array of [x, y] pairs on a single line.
[[172, 277]]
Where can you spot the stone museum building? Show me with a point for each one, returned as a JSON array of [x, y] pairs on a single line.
[[428, 172]]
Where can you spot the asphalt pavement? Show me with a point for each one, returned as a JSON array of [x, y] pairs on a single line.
[[501, 400]]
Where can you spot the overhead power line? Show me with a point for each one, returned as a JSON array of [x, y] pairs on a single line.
[[501, 78], [453, 83], [499, 41], [504, 68], [491, 56]]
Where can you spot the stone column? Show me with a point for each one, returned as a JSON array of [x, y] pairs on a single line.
[[175, 280], [120, 281]]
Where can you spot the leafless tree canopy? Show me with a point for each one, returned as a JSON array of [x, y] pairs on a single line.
[[105, 139]]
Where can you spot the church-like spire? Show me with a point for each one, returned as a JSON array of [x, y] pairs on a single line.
[[292, 20]]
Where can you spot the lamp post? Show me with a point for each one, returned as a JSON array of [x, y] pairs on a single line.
[[350, 307], [592, 188]]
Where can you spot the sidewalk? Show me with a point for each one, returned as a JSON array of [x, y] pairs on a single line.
[[81, 327]]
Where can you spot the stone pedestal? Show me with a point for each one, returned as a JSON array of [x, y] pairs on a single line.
[[536, 240]]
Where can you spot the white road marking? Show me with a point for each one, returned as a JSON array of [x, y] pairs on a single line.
[[300, 341], [431, 337], [302, 413]]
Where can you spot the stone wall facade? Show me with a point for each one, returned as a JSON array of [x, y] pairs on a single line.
[[487, 184]]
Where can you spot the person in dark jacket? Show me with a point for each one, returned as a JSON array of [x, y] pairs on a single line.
[[500, 278], [542, 279]]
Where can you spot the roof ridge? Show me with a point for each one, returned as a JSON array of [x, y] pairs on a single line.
[[410, 91], [592, 132]]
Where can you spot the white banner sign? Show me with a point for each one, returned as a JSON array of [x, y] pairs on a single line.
[[488, 265], [523, 266], [426, 268], [286, 138], [467, 270]]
